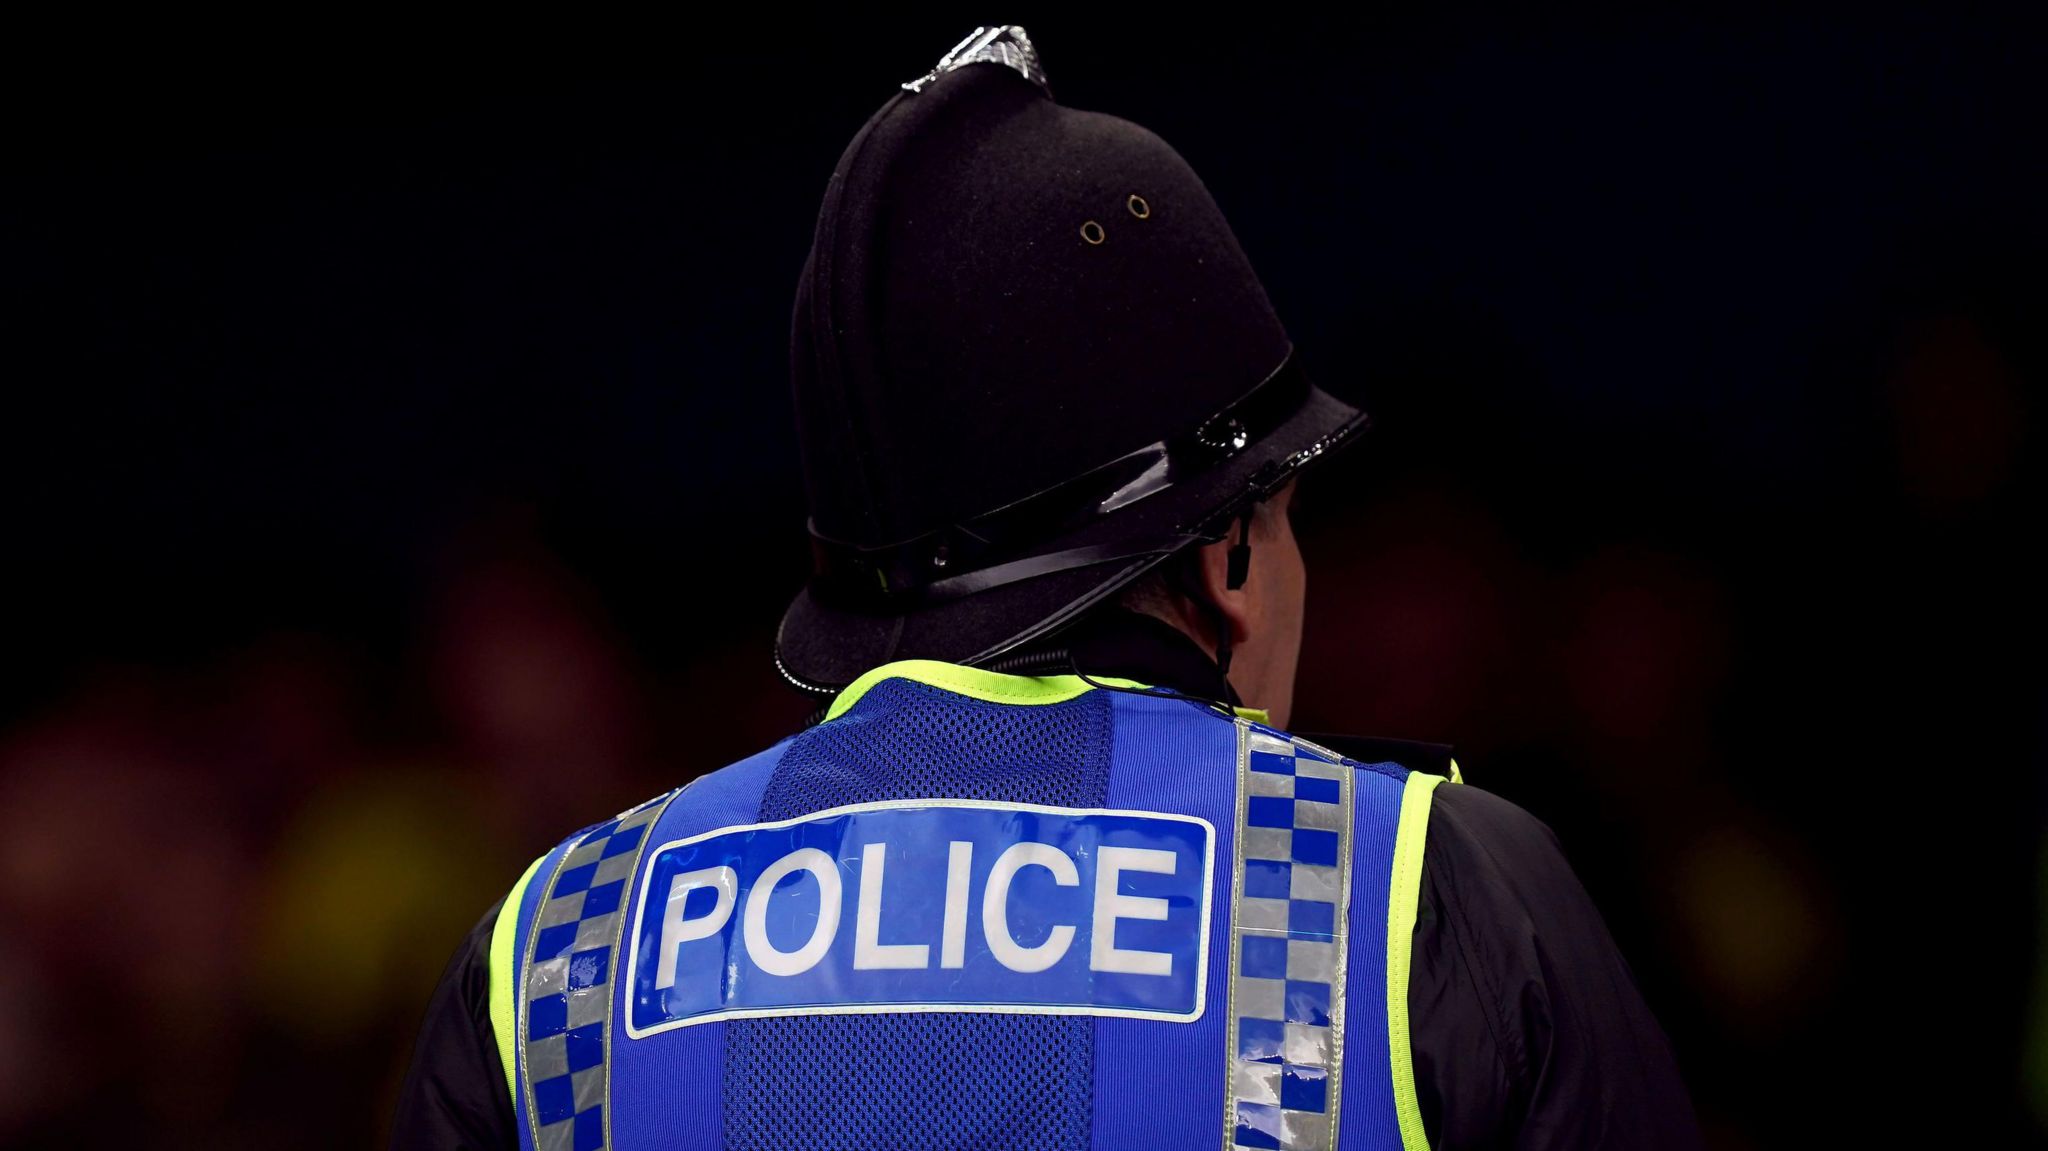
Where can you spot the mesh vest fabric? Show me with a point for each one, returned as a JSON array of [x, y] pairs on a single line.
[[814, 1082]]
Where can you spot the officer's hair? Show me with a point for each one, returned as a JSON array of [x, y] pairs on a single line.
[[1152, 593]]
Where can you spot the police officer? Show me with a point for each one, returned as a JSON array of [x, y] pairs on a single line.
[[1048, 871]]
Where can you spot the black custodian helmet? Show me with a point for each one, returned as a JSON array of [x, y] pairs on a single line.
[[1030, 362]]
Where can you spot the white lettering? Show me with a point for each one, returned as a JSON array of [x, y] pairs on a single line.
[[1112, 905], [959, 866], [676, 931], [869, 953], [759, 949], [995, 912]]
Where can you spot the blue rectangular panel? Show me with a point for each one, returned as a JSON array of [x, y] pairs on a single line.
[[944, 905]]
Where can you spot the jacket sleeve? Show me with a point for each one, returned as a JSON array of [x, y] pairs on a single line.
[[454, 1096], [1528, 1029]]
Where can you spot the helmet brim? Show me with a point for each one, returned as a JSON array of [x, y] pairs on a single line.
[[824, 646]]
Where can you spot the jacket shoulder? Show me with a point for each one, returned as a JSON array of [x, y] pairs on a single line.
[[732, 792]]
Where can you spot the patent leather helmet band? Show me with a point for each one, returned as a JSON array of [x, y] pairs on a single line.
[[996, 547]]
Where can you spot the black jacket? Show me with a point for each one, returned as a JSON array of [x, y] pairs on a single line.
[[1527, 1028]]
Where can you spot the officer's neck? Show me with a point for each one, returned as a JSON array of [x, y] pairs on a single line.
[[1117, 642]]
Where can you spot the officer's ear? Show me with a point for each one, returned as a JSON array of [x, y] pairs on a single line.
[[1226, 572], [1222, 581]]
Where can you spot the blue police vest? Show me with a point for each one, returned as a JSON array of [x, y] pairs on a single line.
[[978, 910]]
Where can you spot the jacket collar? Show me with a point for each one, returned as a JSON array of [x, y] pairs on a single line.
[[1117, 649], [1126, 649], [1149, 650], [975, 683]]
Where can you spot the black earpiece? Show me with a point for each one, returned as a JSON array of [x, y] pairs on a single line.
[[1240, 568]]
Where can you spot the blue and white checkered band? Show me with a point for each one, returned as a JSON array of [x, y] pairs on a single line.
[[1287, 943], [565, 1012]]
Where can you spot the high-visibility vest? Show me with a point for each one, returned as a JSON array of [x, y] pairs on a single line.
[[979, 910]]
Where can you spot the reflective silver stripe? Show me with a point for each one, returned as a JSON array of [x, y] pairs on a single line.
[[1290, 898], [565, 1000]]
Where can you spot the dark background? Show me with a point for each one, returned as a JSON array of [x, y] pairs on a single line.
[[398, 474]]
